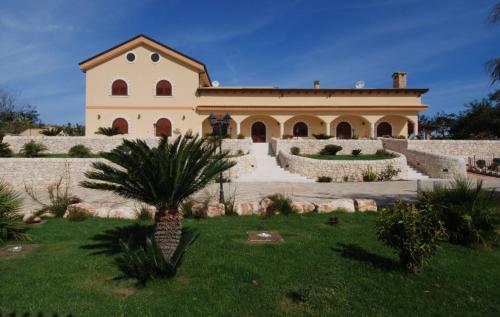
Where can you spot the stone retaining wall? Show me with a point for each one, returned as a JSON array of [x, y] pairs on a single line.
[[62, 144], [41, 172], [435, 165], [309, 146], [338, 170], [463, 148]]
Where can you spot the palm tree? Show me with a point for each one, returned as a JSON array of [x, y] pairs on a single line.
[[493, 66], [160, 176]]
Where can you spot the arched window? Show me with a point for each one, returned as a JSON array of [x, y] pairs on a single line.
[[300, 129], [384, 129], [119, 88], [164, 88], [163, 127], [344, 130], [121, 124]]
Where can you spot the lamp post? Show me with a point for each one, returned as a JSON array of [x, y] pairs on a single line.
[[220, 122]]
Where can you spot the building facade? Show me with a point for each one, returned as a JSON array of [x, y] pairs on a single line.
[[145, 88]]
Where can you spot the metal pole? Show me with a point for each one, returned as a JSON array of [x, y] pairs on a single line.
[[221, 191]]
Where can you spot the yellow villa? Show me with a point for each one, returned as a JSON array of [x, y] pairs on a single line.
[[145, 89]]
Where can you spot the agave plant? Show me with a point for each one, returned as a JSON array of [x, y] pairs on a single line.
[[108, 131], [162, 177], [5, 150], [11, 225]]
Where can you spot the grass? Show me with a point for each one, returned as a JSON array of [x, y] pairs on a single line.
[[361, 157], [320, 270]]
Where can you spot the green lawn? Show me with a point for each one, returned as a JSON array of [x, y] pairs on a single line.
[[319, 270], [362, 157]]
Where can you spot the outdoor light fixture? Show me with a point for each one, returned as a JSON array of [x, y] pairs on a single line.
[[98, 117], [221, 123], [139, 116]]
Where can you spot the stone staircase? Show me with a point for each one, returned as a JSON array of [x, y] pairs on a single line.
[[267, 168], [413, 174]]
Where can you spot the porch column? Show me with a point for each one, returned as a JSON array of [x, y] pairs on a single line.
[[327, 130], [238, 128], [372, 130], [415, 128], [282, 129]]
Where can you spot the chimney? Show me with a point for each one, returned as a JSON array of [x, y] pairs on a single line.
[[316, 84], [399, 80]]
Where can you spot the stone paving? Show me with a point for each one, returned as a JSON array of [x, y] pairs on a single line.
[[383, 192]]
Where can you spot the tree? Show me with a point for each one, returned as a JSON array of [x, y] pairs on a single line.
[[162, 176], [480, 120], [13, 118], [493, 66]]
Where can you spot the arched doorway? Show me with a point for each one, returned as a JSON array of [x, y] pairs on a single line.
[[121, 124], [163, 127], [300, 129], [384, 129], [344, 130], [258, 132]]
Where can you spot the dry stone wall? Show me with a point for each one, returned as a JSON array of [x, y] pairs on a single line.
[[436, 165], [310, 146], [338, 170], [41, 172], [62, 144]]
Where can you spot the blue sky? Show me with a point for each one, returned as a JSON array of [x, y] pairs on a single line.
[[441, 44]]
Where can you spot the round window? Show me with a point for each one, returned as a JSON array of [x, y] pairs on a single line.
[[155, 57], [130, 57]]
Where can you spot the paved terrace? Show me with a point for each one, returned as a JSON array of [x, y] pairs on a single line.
[[383, 192]]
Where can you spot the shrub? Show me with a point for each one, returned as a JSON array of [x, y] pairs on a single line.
[[471, 214], [330, 149], [295, 150], [280, 204], [241, 136], [108, 131], [74, 130], [240, 152], [384, 153], [143, 213], [52, 131], [11, 225], [324, 179], [413, 233], [77, 214], [147, 262], [5, 150], [59, 197], [369, 175], [400, 137], [79, 151], [388, 173], [356, 152], [33, 149], [322, 136], [186, 208], [287, 136], [481, 164]]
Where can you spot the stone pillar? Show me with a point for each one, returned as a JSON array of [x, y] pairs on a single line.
[[282, 129], [238, 128], [415, 128], [327, 128]]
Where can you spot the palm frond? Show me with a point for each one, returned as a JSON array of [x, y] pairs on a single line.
[[161, 176], [493, 69]]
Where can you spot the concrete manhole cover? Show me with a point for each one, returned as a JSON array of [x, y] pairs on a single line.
[[264, 236]]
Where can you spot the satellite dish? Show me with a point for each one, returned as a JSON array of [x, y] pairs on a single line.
[[360, 84], [215, 83]]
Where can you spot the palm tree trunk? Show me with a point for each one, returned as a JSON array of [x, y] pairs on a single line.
[[167, 232]]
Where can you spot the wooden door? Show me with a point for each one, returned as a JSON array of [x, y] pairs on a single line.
[[258, 132]]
